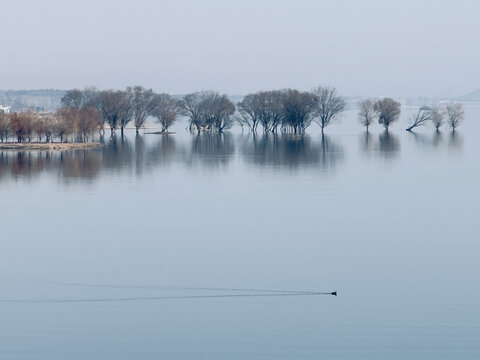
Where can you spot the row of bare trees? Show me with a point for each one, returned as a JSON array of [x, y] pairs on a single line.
[[28, 126], [87, 111], [452, 115], [289, 110], [206, 110], [387, 110], [117, 108]]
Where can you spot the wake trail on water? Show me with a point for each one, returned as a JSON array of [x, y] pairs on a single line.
[[160, 287], [158, 298]]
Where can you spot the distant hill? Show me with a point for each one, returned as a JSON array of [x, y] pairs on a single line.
[[39, 100], [473, 96]]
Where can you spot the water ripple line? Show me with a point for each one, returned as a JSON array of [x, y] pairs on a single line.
[[157, 298]]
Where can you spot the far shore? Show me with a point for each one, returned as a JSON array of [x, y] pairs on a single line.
[[49, 146]]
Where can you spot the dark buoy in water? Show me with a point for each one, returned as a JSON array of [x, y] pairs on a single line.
[[334, 293]]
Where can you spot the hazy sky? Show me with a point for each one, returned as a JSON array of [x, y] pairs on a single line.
[[370, 47]]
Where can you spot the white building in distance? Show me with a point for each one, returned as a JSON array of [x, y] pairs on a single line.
[[5, 109]]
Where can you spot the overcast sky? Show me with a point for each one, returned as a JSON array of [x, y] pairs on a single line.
[[370, 47]]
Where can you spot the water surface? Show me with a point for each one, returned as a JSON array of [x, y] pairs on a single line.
[[389, 220]]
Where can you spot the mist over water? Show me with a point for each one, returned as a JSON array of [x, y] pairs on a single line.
[[178, 225]]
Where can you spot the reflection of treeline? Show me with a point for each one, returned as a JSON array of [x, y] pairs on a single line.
[[138, 156], [289, 150], [69, 164]]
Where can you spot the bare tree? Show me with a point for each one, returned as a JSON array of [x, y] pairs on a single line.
[[423, 115], [264, 107], [27, 119], [329, 105], [4, 126], [143, 105], [208, 110], [126, 110], [49, 120], [87, 120], [367, 113], [64, 123], [73, 99], [298, 110], [22, 125], [39, 127], [17, 127], [218, 112], [388, 111], [438, 115], [77, 99], [116, 108], [273, 109], [193, 107], [455, 115], [166, 110], [250, 111]]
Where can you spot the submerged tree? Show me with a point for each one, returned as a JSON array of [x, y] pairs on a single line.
[[218, 112], [388, 111], [298, 110], [192, 107], [249, 109], [367, 113], [166, 110], [143, 105], [438, 116], [423, 115], [116, 109], [329, 105], [455, 115], [208, 110], [264, 107]]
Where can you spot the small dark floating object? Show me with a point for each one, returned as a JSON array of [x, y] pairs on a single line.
[[334, 293]]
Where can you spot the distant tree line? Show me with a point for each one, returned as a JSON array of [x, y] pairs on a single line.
[[85, 112]]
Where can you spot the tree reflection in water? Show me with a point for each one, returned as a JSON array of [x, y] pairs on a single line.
[[388, 145], [67, 164], [437, 138], [290, 151], [366, 142], [118, 154], [138, 155], [210, 150], [163, 152], [455, 141]]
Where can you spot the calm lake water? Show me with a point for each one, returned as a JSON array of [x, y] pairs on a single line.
[[390, 221]]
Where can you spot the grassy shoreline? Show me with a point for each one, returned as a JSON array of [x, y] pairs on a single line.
[[49, 146]]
